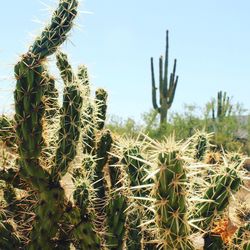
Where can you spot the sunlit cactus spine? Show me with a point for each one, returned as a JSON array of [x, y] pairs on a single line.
[[30, 74], [201, 145], [137, 171], [167, 87], [170, 206], [101, 99], [215, 201], [51, 95], [116, 207], [70, 120]]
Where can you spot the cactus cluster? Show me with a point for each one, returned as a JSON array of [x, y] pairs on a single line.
[[66, 182]]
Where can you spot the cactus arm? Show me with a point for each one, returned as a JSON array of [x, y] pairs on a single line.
[[30, 108], [70, 121], [222, 185], [51, 100], [161, 79], [165, 82], [103, 147], [170, 205], [153, 85], [172, 87], [56, 32], [29, 113], [219, 108], [101, 103], [83, 78], [115, 209], [65, 68]]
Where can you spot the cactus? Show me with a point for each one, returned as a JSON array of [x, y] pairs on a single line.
[[30, 74], [70, 122], [171, 205], [136, 170], [202, 145], [167, 87], [109, 204], [116, 206], [224, 107]]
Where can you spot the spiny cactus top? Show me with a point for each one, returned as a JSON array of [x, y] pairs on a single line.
[[56, 32]]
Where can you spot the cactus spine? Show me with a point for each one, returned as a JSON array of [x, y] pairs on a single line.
[[171, 205], [167, 87], [31, 84]]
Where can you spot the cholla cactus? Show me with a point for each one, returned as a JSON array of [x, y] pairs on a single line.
[[173, 230], [134, 196]]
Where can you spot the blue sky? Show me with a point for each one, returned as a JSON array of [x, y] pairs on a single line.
[[210, 39]]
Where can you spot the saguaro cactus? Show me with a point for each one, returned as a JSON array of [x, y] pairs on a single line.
[[224, 107], [167, 87]]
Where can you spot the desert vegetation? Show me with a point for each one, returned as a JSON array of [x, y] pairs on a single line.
[[72, 180]]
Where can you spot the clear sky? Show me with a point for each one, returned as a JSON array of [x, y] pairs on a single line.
[[210, 39]]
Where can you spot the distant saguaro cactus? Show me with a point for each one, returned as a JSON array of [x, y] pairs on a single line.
[[167, 87], [224, 107]]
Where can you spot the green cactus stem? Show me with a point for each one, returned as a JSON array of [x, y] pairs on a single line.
[[167, 87], [201, 145], [224, 106], [103, 147], [31, 83], [171, 205], [83, 78], [51, 100], [56, 32], [136, 170], [101, 99], [70, 121], [216, 197]]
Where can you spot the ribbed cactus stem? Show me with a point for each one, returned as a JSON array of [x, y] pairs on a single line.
[[83, 78], [217, 195], [136, 171], [81, 217], [171, 205], [103, 147], [89, 131], [201, 145], [51, 100], [70, 121], [30, 109], [101, 99], [56, 32], [215, 201], [115, 209]]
